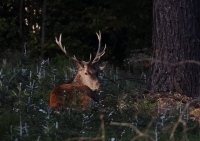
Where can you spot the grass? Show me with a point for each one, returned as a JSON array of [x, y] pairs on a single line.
[[124, 113]]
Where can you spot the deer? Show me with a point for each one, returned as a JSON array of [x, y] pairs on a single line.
[[81, 89]]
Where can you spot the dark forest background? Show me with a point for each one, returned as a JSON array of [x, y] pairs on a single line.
[[126, 27]]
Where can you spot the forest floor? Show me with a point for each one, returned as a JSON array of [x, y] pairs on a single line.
[[169, 104]]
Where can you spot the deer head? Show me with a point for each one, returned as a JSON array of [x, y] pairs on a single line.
[[87, 70]]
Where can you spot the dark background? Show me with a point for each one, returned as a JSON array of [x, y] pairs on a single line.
[[126, 27]]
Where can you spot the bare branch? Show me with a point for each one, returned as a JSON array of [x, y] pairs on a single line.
[[140, 134], [152, 60]]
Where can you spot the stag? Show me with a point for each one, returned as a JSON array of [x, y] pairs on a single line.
[[80, 91]]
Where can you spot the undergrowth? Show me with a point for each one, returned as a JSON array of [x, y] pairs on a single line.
[[124, 112]]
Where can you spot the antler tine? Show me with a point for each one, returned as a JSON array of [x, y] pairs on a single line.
[[64, 50], [99, 54], [85, 63], [60, 44], [99, 38]]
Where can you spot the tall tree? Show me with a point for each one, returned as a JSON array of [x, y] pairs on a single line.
[[176, 38], [43, 27], [21, 20]]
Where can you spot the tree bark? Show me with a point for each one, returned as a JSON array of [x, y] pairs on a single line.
[[176, 38], [31, 15], [21, 20], [43, 27]]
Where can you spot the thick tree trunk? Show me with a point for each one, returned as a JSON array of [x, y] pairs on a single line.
[[176, 38]]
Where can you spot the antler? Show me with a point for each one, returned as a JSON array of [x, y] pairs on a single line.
[[99, 54], [68, 55], [96, 59]]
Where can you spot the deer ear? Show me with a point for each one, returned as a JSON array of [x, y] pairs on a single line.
[[102, 65]]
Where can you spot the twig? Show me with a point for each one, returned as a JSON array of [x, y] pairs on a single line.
[[140, 134], [180, 120]]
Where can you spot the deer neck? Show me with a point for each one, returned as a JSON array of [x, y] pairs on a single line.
[[77, 80]]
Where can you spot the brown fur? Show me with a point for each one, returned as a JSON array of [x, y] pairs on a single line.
[[64, 95], [80, 91]]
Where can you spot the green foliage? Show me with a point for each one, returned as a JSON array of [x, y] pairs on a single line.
[[25, 87]]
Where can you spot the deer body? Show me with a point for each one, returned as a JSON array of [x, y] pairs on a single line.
[[79, 95], [80, 91]]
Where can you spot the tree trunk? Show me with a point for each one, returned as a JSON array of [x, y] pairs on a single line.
[[176, 38], [21, 21], [31, 16], [43, 27]]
